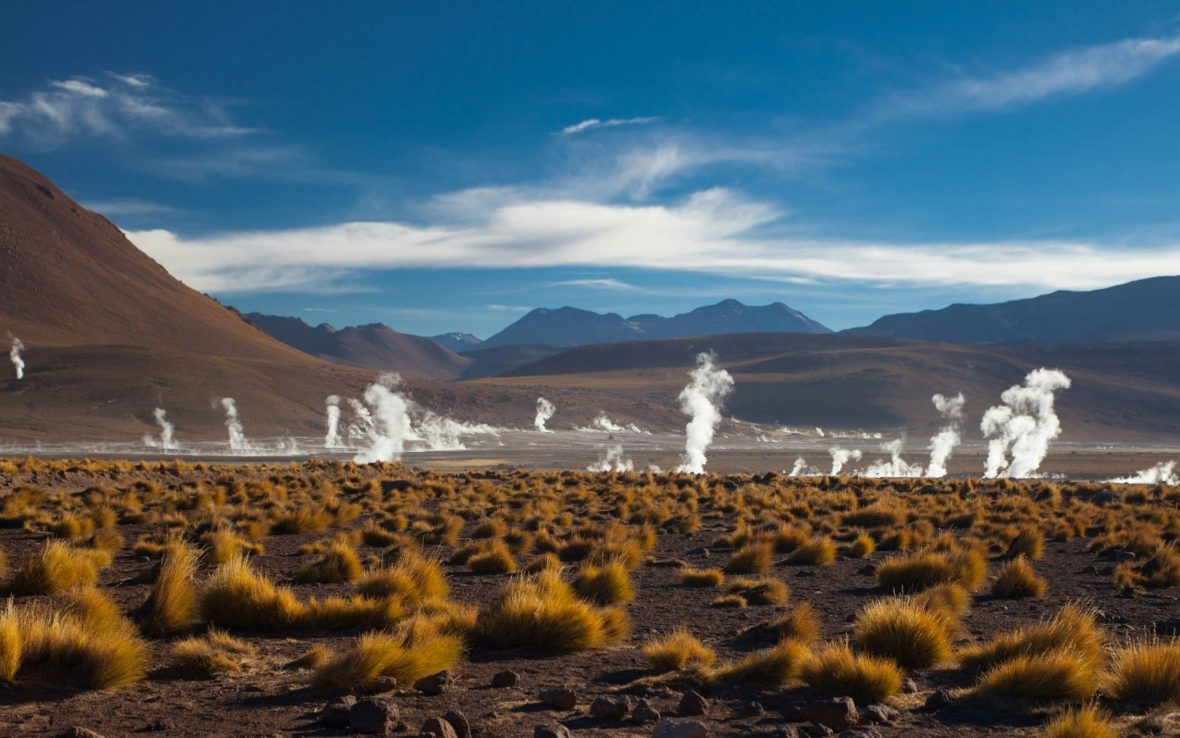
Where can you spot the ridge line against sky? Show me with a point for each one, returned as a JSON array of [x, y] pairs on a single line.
[[626, 202]]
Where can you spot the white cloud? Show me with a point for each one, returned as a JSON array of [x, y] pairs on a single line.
[[113, 106], [591, 123], [599, 284], [1071, 72], [127, 206], [712, 231]]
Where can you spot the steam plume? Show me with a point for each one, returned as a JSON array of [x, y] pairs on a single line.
[[364, 420], [545, 410], [166, 441], [895, 466], [391, 421], [1162, 473], [1025, 424], [945, 441], [799, 467], [701, 400], [611, 459], [237, 438], [332, 438], [14, 354], [841, 456]]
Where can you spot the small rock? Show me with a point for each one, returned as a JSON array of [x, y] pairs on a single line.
[[673, 729], [459, 722], [880, 714], [837, 713], [939, 699], [608, 708], [817, 731], [505, 679], [699, 551], [558, 699], [374, 717], [868, 570], [645, 713], [909, 686], [335, 713], [1121, 555], [78, 731], [862, 733], [692, 704], [435, 684], [438, 727], [552, 730]]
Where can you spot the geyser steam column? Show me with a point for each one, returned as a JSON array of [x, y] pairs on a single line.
[[237, 435], [14, 355], [1025, 423], [701, 401], [545, 410], [945, 441]]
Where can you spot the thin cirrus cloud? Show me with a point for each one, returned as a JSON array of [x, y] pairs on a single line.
[[113, 106], [592, 123], [713, 231]]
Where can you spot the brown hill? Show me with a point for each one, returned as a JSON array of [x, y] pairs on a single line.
[[1124, 393], [374, 346]]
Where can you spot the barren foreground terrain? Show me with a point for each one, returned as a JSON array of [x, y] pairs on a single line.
[[191, 599]]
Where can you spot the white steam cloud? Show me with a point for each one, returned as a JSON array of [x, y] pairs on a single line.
[[332, 437], [166, 441], [894, 466], [799, 467], [611, 459], [841, 456], [1025, 425], [545, 410], [944, 442], [391, 425], [14, 354], [1162, 473], [363, 423], [701, 401], [237, 437]]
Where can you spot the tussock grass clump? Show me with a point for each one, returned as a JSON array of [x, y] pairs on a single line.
[[873, 516], [339, 563], [302, 520], [543, 612], [1018, 579], [58, 567], [752, 558], [90, 648], [678, 650], [493, 559], [771, 667], [800, 624], [415, 650], [344, 613], [730, 600], [760, 591], [212, 653], [10, 644], [609, 584], [1145, 673], [702, 577], [787, 540], [412, 578], [817, 550], [1073, 629], [924, 569], [1081, 722], [541, 563], [838, 671], [171, 606], [1044, 677], [862, 547], [1029, 543], [236, 596], [948, 598], [312, 658], [222, 545], [905, 631]]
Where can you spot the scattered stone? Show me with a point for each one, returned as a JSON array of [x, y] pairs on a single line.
[[552, 730], [335, 713], [838, 713], [609, 708], [939, 699], [505, 679], [692, 704], [861, 733], [880, 714], [817, 731], [78, 731], [868, 570], [673, 729], [699, 551], [1121, 555], [373, 717], [435, 684], [645, 713], [439, 728], [909, 686], [558, 699], [459, 722], [668, 563], [1091, 569]]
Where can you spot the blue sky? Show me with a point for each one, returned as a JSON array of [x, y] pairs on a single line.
[[445, 166]]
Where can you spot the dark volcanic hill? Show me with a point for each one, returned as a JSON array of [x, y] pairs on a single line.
[[458, 342], [373, 346], [1144, 310], [567, 326]]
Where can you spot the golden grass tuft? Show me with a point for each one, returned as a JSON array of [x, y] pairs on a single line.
[[752, 558], [92, 647], [339, 563], [543, 612], [924, 569], [1018, 579], [493, 559], [678, 650], [903, 630], [761, 590], [837, 670], [10, 644], [1073, 629], [56, 568], [236, 596], [817, 550], [770, 667], [609, 584], [412, 578], [949, 598], [1053, 676], [1081, 722], [1029, 543], [702, 577], [1145, 673], [211, 654], [862, 547], [171, 606], [800, 624], [416, 649]]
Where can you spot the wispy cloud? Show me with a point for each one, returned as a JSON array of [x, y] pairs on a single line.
[[129, 206], [712, 231], [1071, 72], [592, 123], [114, 106], [599, 284]]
